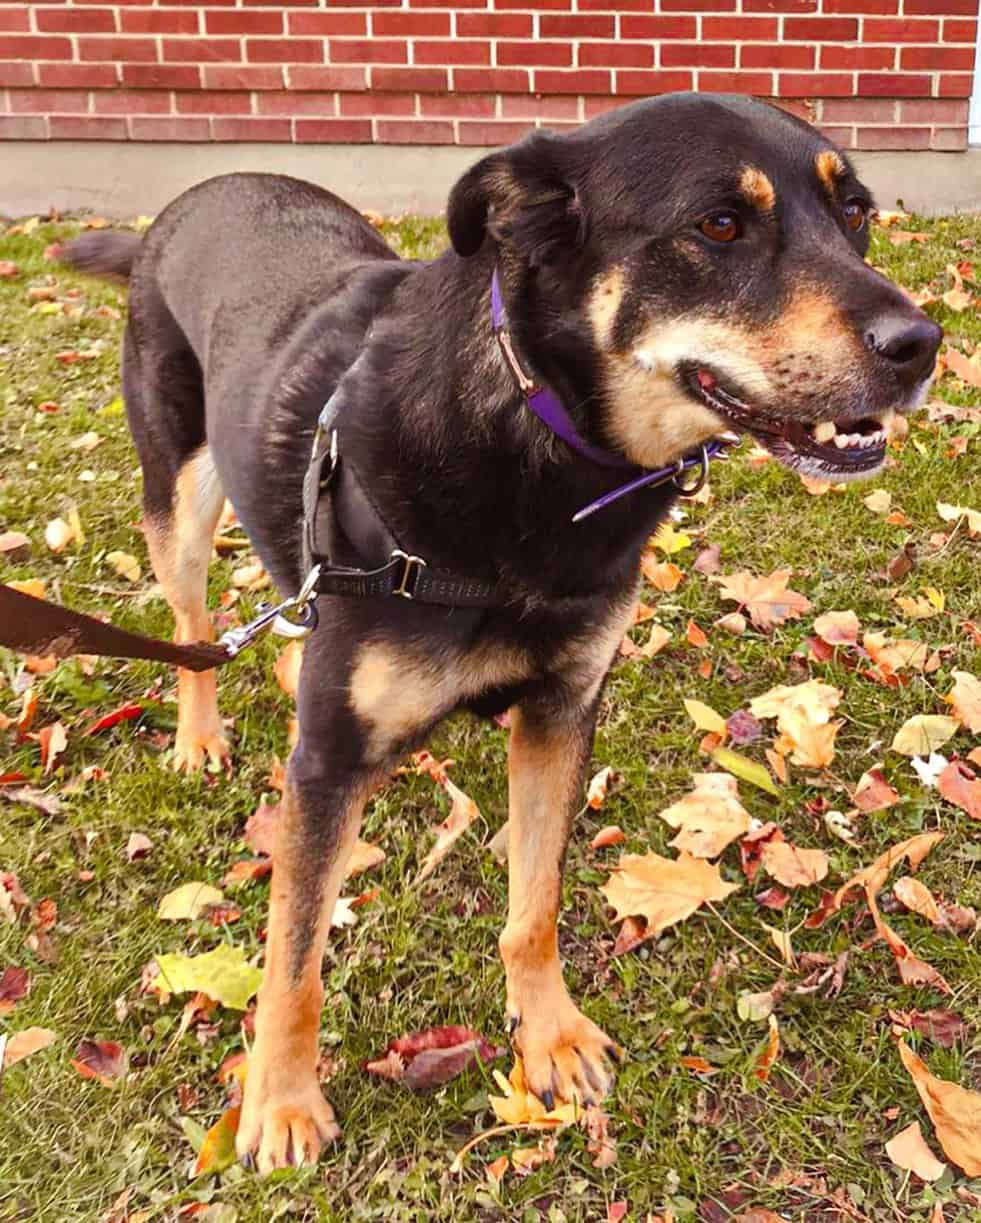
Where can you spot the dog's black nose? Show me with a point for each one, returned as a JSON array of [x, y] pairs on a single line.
[[909, 344]]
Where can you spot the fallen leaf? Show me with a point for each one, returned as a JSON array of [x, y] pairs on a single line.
[[912, 969], [695, 636], [428, 1059], [767, 599], [951, 513], [837, 627], [873, 792], [126, 566], [125, 713], [364, 856], [599, 788], [811, 744], [287, 668], [745, 769], [663, 890], [916, 897], [668, 540], [909, 1151], [218, 1149], [813, 699], [462, 814], [612, 834], [781, 939], [923, 734], [792, 866], [733, 622], [260, 827], [743, 727], [899, 237], [185, 903], [709, 818], [662, 575], [873, 877], [698, 1065], [601, 1145], [945, 1028], [53, 740], [960, 785], [14, 541], [138, 846], [707, 560], [764, 1063], [965, 700], [705, 717], [102, 1060], [897, 653], [658, 639], [58, 535], [222, 974], [518, 1106], [755, 1007], [8, 270], [15, 984], [878, 501], [22, 1044], [247, 870], [954, 1111]]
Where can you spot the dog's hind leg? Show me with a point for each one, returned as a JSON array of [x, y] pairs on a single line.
[[562, 1051], [182, 501]]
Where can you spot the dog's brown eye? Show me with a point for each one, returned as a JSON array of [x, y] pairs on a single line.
[[721, 227], [854, 211]]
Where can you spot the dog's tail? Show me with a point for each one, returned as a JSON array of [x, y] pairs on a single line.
[[108, 254]]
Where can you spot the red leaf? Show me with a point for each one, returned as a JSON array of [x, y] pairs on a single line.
[[960, 785], [751, 848], [15, 983], [247, 869], [123, 714], [102, 1060], [773, 898], [422, 1060]]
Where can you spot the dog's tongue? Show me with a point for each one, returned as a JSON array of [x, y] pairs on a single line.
[[706, 380]]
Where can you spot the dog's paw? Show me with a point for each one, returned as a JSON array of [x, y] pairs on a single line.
[[284, 1131], [564, 1054], [192, 750]]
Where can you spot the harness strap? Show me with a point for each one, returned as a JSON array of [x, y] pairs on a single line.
[[34, 626]]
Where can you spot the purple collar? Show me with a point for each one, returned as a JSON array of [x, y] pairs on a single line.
[[550, 410]]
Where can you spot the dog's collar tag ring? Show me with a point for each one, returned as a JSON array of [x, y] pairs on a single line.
[[550, 410]]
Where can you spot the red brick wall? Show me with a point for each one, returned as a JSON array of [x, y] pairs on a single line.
[[875, 74]]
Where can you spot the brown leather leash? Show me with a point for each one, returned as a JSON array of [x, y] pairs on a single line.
[[35, 626]]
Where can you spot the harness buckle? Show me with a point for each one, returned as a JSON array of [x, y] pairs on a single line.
[[410, 573]]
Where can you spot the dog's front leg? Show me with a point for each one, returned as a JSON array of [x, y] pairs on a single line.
[[285, 1118], [562, 1051]]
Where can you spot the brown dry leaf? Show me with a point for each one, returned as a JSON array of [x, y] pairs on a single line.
[[838, 627], [260, 827], [22, 1044], [872, 877], [656, 642], [965, 700], [792, 866], [287, 668], [733, 622], [909, 1151], [954, 1111], [601, 1144], [767, 599], [599, 788], [710, 817], [462, 814], [873, 792], [53, 740], [899, 237], [662, 575], [764, 1063], [878, 501], [363, 857], [916, 897], [663, 890], [912, 969], [781, 939], [14, 541], [895, 654], [968, 369], [960, 785], [951, 513]]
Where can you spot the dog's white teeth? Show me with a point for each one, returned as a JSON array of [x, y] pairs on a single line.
[[844, 440], [824, 431], [872, 439]]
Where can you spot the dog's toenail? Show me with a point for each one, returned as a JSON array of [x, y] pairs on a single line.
[[548, 1100], [614, 1054], [248, 1161], [513, 1023]]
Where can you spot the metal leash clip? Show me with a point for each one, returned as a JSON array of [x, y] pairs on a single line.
[[293, 618]]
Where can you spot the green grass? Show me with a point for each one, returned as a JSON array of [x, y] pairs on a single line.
[[424, 956]]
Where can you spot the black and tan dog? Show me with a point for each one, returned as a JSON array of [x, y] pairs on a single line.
[[677, 268]]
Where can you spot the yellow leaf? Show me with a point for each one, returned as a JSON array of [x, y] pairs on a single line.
[[668, 540], [781, 940], [222, 974], [462, 814], [924, 733], [812, 745], [909, 1151], [656, 642], [662, 575], [916, 897], [878, 501], [126, 566], [188, 901], [705, 717], [30, 586], [954, 1111], [709, 818], [916, 607], [792, 866], [518, 1106], [950, 513], [767, 599], [814, 699], [218, 1149], [662, 890], [965, 700], [745, 769]]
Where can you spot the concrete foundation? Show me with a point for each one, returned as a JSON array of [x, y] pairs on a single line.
[[128, 179]]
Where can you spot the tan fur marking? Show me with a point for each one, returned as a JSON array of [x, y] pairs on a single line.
[[757, 189], [180, 549], [396, 692], [830, 167], [604, 304]]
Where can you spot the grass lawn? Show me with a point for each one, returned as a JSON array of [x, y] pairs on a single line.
[[808, 1144]]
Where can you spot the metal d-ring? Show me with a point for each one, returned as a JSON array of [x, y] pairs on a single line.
[[689, 490], [298, 617]]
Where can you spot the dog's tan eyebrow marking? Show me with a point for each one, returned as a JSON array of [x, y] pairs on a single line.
[[830, 167], [604, 304], [757, 189]]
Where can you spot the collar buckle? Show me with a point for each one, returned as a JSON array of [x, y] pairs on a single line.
[[412, 567]]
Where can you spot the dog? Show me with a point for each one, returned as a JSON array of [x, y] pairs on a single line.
[[678, 268]]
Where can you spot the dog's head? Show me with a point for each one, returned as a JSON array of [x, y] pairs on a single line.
[[693, 264]]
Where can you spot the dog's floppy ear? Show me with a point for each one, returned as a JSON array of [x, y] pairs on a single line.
[[523, 198]]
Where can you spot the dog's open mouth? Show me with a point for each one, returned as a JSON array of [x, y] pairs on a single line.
[[846, 445]]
